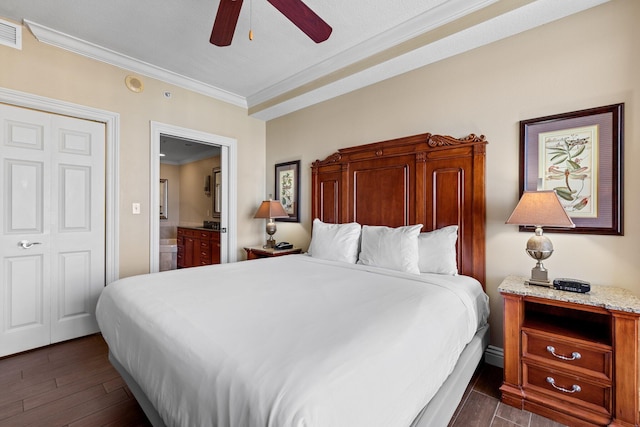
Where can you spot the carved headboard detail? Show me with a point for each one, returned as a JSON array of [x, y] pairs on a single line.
[[434, 180]]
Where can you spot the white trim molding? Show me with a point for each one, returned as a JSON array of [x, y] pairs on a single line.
[[111, 121], [228, 219], [99, 53], [532, 15], [494, 356]]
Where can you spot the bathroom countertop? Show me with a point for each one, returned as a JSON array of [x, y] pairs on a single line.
[[193, 227]]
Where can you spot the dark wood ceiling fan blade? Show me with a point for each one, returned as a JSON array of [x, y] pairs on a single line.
[[225, 23], [304, 18]]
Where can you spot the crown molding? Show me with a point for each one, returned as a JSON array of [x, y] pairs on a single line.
[[400, 50], [528, 16], [420, 24], [99, 53]]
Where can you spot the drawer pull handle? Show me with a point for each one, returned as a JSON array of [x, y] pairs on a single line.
[[574, 356], [574, 388]]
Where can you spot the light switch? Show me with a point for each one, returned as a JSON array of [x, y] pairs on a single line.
[[135, 208]]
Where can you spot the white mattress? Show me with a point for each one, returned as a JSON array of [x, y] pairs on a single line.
[[290, 341]]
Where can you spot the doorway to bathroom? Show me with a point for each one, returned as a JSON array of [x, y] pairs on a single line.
[[193, 178]]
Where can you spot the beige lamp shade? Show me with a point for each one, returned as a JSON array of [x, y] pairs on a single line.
[[271, 209], [540, 209]]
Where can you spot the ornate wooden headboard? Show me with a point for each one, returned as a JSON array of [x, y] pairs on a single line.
[[426, 179]]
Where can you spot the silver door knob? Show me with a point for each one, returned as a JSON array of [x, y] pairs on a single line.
[[25, 244]]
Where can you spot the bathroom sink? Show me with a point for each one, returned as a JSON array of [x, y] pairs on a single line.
[[212, 225]]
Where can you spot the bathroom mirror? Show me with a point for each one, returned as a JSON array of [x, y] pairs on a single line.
[[164, 198], [216, 183]]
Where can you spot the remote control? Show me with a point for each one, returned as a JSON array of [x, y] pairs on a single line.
[[572, 285]]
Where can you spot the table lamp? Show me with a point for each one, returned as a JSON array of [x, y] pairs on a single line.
[[540, 209], [271, 209]]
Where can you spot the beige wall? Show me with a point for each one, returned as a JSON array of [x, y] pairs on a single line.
[[189, 205], [55, 73], [168, 226], [195, 205], [586, 60]]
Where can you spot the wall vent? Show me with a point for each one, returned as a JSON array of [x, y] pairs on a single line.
[[10, 34]]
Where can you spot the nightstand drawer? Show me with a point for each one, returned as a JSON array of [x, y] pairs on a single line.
[[584, 359], [567, 388]]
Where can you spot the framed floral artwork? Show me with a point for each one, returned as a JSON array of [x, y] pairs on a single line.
[[288, 189], [579, 156]]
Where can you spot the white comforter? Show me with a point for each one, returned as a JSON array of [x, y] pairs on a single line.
[[290, 341]]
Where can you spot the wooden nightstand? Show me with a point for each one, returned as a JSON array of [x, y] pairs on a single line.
[[571, 357], [255, 252]]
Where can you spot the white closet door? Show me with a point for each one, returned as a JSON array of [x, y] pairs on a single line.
[[52, 218]]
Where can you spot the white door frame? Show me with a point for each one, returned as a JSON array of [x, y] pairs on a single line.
[[228, 219], [112, 180]]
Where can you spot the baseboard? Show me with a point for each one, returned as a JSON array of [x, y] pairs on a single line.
[[494, 356]]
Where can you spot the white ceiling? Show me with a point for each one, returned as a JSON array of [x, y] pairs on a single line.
[[281, 70], [178, 151]]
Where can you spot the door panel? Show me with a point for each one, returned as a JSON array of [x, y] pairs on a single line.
[[75, 192], [78, 165], [25, 297], [26, 303], [52, 206], [24, 196], [24, 135], [25, 309], [74, 275], [75, 142]]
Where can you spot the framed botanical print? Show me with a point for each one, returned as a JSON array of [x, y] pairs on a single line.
[[579, 156], [288, 189]]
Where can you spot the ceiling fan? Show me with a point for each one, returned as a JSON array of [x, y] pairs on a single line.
[[295, 10]]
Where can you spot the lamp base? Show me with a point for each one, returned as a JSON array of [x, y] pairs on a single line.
[[271, 230], [538, 283], [539, 273]]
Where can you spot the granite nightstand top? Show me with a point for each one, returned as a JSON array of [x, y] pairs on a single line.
[[608, 297]]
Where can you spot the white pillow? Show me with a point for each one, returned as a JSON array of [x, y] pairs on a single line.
[[393, 248], [335, 242], [437, 250]]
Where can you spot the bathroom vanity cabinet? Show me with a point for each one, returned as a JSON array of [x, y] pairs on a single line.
[[198, 246]]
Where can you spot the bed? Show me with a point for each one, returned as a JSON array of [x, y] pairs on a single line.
[[364, 330]]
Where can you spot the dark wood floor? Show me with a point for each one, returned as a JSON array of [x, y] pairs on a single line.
[[481, 406], [73, 384], [68, 384]]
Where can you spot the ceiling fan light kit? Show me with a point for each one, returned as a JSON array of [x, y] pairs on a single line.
[[295, 10]]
